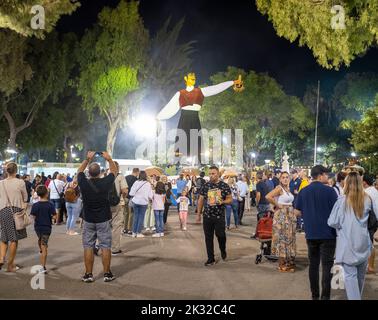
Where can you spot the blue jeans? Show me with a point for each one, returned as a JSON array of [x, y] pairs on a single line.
[[139, 212], [234, 207], [354, 278], [73, 212], [159, 221]]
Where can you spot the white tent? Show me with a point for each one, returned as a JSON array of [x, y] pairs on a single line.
[[126, 166]]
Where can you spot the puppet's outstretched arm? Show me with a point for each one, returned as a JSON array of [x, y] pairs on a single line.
[[213, 90], [170, 109]]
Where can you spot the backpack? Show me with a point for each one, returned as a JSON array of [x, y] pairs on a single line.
[[114, 198], [265, 227], [70, 195]]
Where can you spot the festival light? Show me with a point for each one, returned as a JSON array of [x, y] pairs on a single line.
[[353, 154], [144, 126]]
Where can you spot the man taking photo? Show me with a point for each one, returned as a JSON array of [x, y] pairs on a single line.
[[97, 215]]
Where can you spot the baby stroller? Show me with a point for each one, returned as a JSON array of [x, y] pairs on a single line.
[[264, 233]]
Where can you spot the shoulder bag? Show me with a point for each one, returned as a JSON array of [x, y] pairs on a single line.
[[21, 218]]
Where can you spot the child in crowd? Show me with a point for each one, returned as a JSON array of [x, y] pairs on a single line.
[[43, 212], [184, 208], [158, 207]]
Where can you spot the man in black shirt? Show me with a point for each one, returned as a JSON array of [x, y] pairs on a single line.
[[129, 212], [96, 214], [262, 189], [214, 195], [276, 178]]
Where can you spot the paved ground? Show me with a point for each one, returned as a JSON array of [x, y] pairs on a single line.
[[166, 268]]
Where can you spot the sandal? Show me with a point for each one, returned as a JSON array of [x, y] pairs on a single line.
[[14, 270]]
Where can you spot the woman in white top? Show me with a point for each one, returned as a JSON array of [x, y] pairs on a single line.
[[141, 193], [13, 198], [284, 224], [349, 217]]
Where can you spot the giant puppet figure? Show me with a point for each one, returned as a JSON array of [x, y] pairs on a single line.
[[190, 101]]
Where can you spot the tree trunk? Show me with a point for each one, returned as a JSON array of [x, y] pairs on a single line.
[[12, 130], [67, 149], [111, 138]]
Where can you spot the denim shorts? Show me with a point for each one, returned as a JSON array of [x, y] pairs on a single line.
[[97, 231], [57, 203]]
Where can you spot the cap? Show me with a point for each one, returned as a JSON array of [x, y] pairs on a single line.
[[319, 170]]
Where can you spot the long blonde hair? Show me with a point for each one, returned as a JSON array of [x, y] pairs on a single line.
[[355, 194]]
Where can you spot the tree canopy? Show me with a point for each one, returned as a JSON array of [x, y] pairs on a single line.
[[112, 55], [310, 23], [16, 15]]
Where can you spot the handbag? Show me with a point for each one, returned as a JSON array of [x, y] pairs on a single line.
[[21, 218], [372, 223]]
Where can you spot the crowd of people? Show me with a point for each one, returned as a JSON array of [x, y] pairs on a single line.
[[334, 213]]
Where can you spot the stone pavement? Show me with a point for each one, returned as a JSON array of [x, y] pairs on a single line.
[[169, 268]]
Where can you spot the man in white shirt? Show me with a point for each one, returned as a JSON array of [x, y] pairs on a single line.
[[56, 187], [243, 189], [373, 193]]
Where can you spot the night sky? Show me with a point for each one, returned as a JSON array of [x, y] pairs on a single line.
[[229, 34]]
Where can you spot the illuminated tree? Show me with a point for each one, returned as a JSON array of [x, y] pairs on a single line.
[[313, 24], [111, 57]]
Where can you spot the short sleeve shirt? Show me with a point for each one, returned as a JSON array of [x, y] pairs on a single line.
[[263, 189], [96, 202], [43, 212], [316, 202], [213, 194], [120, 183]]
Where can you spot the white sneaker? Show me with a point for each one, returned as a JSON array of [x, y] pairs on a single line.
[[184, 228], [134, 235], [140, 235], [162, 234], [148, 229], [156, 235]]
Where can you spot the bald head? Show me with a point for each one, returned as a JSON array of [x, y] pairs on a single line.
[[94, 170]]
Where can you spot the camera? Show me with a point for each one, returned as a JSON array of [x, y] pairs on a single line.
[[98, 154]]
